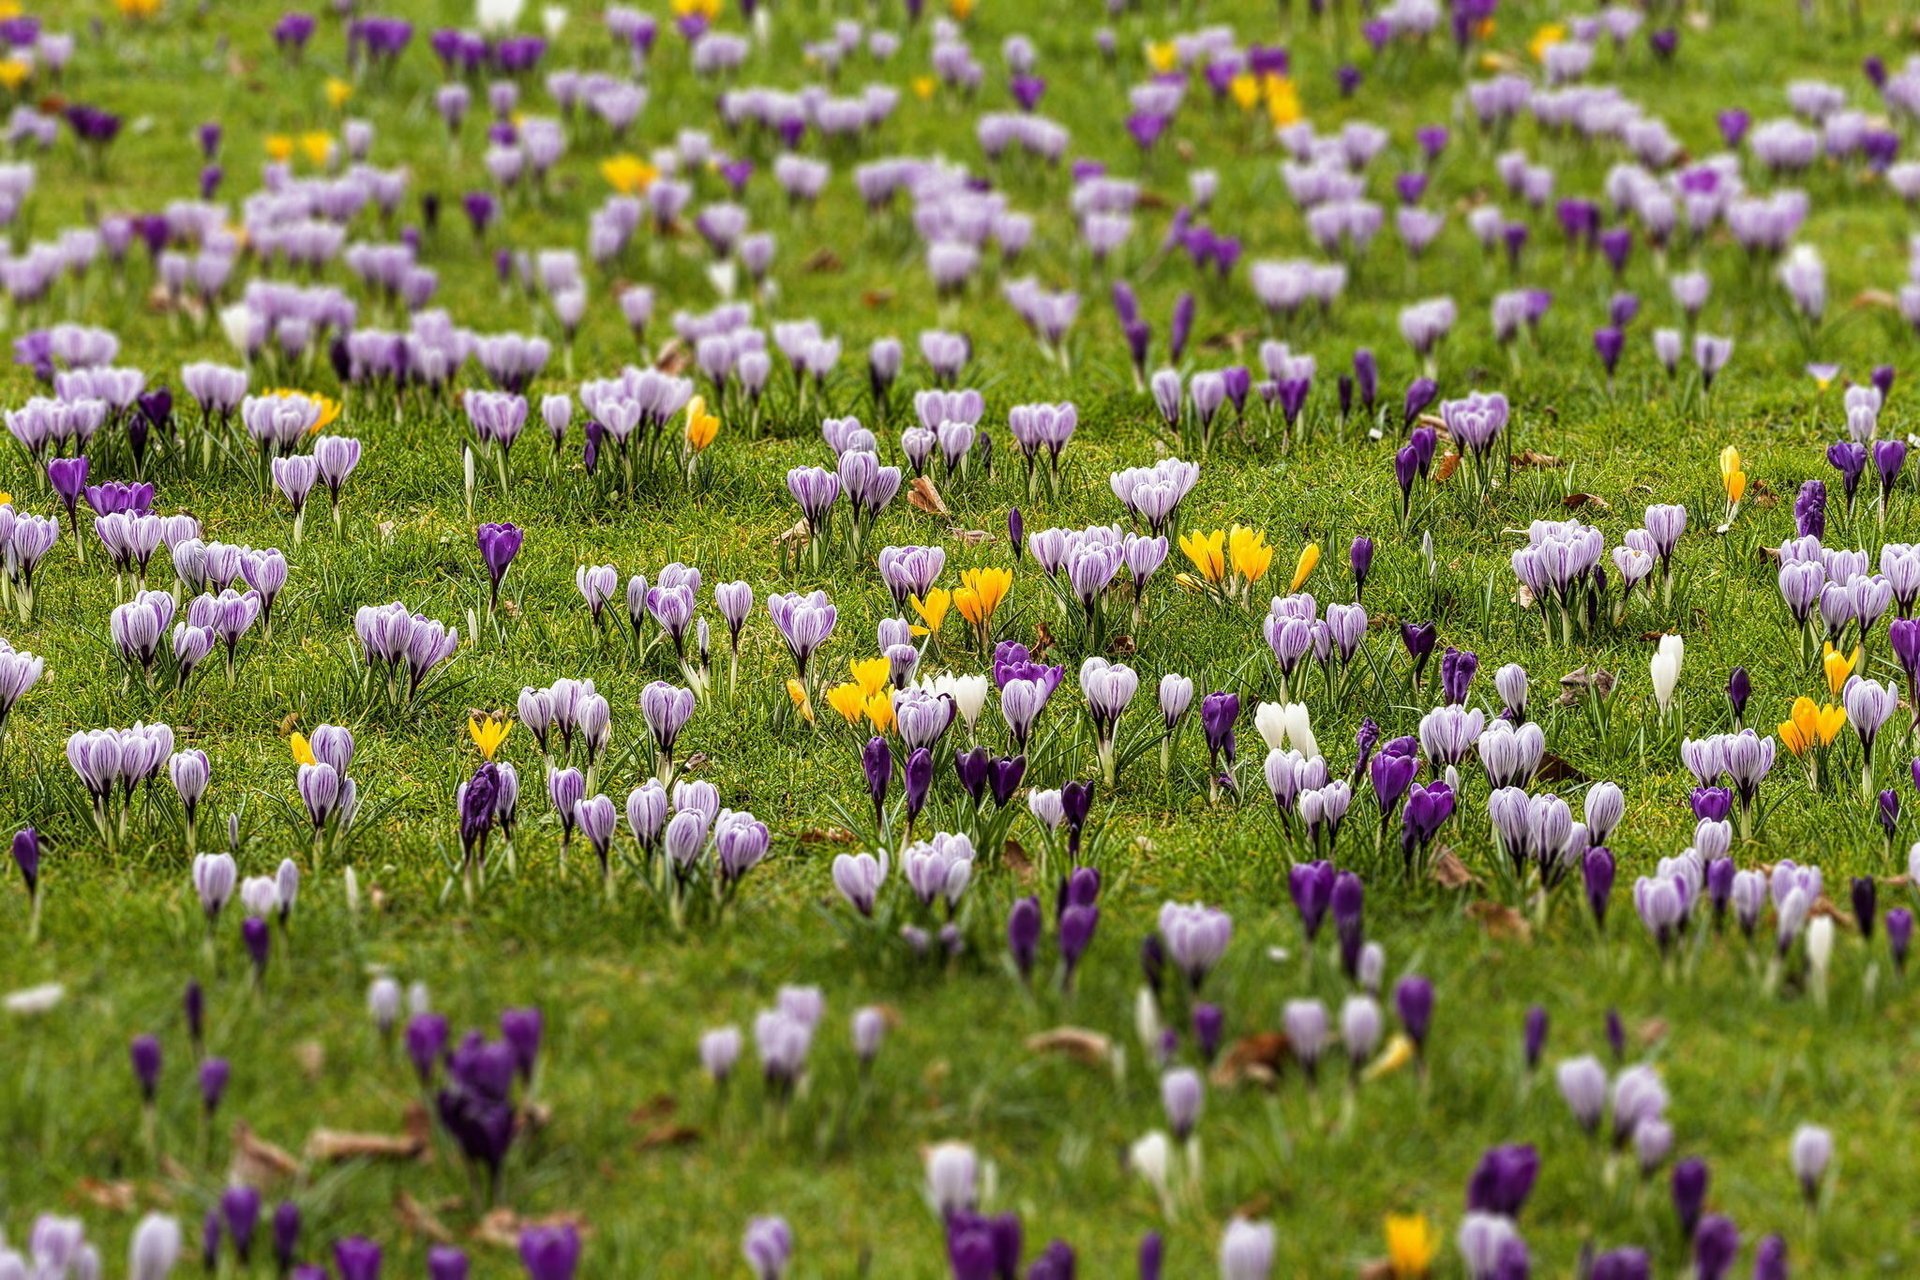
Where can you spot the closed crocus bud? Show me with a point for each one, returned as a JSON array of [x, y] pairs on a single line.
[[26, 856], [155, 1249], [1360, 560], [1616, 1035], [1023, 934], [1739, 689], [214, 1073], [1182, 1095], [145, 1053], [1534, 1037], [1770, 1259], [240, 1209], [869, 1029], [1209, 1024], [1152, 1255], [444, 1262], [1899, 936], [286, 1233], [1865, 895], [1810, 1152], [1689, 1193]]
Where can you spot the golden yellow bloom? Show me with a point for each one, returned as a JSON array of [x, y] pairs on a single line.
[[14, 73], [702, 426], [797, 692], [1544, 38], [880, 711], [961, 9], [1838, 665], [932, 610], [871, 674], [1411, 1245], [628, 174], [302, 749], [488, 732], [1245, 89], [1304, 567], [329, 407], [318, 146], [980, 593], [279, 148], [849, 700], [338, 91], [1810, 725], [1732, 476], [1283, 101], [1397, 1054], [1163, 56], [5, 497], [923, 87], [1207, 551], [708, 9], [137, 8], [1249, 552]]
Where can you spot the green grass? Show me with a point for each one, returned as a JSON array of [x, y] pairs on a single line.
[[626, 997]]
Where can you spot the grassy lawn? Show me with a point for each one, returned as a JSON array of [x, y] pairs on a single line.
[[621, 1131]]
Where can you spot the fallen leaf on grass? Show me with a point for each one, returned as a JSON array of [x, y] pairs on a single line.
[[1532, 458], [1083, 1046], [823, 261], [1260, 1058], [257, 1161], [1577, 501], [826, 835], [654, 1110], [1554, 769], [670, 1134], [1443, 469], [876, 298], [922, 496], [1450, 873], [332, 1146], [419, 1220], [503, 1227], [116, 1197], [970, 537], [674, 357], [797, 536], [1016, 858], [1501, 922]]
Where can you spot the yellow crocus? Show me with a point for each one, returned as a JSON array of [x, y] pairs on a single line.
[[708, 9], [5, 497], [1249, 552], [932, 610], [279, 148], [1732, 476], [923, 87], [628, 174], [871, 674], [137, 8], [702, 426], [488, 732], [318, 147], [1245, 89], [1810, 725], [1398, 1053], [1208, 551], [1838, 665], [980, 593], [338, 91], [1411, 1245], [960, 9], [1163, 56], [329, 407], [849, 700], [880, 711], [1304, 567], [1283, 101], [14, 73], [802, 704], [1544, 38], [302, 749]]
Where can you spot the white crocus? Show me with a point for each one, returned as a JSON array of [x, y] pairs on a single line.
[[498, 15], [1666, 670]]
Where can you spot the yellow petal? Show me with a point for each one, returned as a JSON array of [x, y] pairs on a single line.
[[301, 748]]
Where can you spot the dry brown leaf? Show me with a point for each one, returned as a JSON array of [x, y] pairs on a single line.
[[1444, 468], [923, 496], [823, 261], [1532, 458], [696, 761], [503, 1227], [419, 1220], [332, 1146], [1122, 647], [1524, 596], [654, 1110], [257, 1161], [1450, 873], [970, 537], [1015, 855], [826, 835], [674, 357], [1554, 768], [1577, 501], [1874, 298], [1042, 640], [1376, 1269], [1089, 1048], [1651, 1032], [1502, 923], [670, 1134], [797, 536], [116, 1197], [1260, 1058], [876, 298]]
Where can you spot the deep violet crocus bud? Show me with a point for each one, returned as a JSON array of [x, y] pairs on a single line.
[[145, 1052], [1366, 376], [1023, 934], [1616, 1035], [1770, 1259], [1016, 533], [1209, 1022], [1865, 908], [1596, 873], [876, 759], [1899, 936], [26, 856], [194, 1004], [1689, 1193], [522, 1029], [1739, 689], [1534, 1037], [1421, 393], [1716, 1243], [286, 1233], [1413, 1001], [1152, 1255], [214, 1074], [240, 1209], [1360, 559], [259, 941]]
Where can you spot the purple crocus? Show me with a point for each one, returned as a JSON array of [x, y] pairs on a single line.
[[499, 544]]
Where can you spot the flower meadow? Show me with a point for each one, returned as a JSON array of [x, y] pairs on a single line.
[[804, 640]]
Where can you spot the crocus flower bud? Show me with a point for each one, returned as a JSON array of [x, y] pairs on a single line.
[[1023, 934], [1899, 936], [1689, 1193], [1534, 1039], [145, 1052]]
